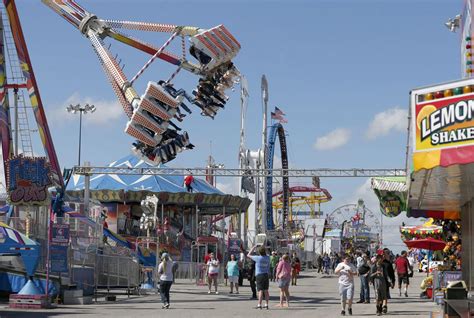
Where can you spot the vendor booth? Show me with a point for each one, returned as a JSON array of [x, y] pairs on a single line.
[[442, 153], [442, 178]]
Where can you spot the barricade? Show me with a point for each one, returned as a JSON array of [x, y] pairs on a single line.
[[117, 272]]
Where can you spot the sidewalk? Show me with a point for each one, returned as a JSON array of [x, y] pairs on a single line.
[[315, 296]]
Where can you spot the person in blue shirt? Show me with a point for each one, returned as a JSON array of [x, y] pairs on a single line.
[[233, 274], [262, 274]]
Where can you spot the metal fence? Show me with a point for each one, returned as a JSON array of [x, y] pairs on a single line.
[[117, 272], [195, 272]]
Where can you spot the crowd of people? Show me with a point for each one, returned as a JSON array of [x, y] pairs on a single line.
[[375, 272], [259, 268]]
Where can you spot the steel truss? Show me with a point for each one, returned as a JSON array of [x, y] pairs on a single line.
[[221, 172]]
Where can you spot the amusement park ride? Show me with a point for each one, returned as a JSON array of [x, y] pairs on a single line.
[[150, 115], [151, 118]]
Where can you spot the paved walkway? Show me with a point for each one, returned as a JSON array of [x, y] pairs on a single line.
[[315, 296]]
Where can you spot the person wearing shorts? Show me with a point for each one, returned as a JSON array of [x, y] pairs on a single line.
[[346, 272], [283, 276], [403, 268], [262, 274], [212, 272], [233, 274]]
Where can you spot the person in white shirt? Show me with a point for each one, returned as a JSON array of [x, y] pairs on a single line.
[[165, 269], [346, 272], [212, 272]]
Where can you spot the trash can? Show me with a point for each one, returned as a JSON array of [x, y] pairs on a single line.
[[454, 290]]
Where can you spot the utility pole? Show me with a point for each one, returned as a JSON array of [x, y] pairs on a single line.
[[264, 150]]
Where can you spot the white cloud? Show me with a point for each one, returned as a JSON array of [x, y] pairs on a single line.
[[107, 111], [393, 119], [334, 139], [229, 186]]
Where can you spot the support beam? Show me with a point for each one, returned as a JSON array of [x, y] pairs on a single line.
[[223, 172]]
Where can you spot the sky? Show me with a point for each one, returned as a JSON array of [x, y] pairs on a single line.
[[341, 70]]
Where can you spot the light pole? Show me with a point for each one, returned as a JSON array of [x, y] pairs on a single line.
[[81, 109], [264, 88]]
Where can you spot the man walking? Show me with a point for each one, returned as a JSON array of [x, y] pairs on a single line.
[[364, 272], [346, 272], [403, 268]]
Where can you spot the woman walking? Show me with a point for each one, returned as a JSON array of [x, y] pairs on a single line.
[[233, 274], [165, 269], [212, 272], [283, 276]]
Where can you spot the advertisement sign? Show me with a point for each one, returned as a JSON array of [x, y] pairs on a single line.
[[234, 247], [444, 123], [28, 180], [60, 234], [392, 203], [58, 258]]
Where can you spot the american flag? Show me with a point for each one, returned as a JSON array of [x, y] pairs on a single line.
[[278, 114]]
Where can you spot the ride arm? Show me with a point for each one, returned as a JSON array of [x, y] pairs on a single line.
[[125, 92], [150, 49], [86, 21]]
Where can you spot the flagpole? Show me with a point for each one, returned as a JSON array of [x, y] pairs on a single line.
[[264, 148]]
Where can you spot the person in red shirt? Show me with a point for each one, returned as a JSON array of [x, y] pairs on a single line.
[[403, 269], [188, 180]]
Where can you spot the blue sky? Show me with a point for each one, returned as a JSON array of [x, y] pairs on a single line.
[[338, 69]]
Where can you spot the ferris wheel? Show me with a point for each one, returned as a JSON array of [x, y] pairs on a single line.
[[357, 219]]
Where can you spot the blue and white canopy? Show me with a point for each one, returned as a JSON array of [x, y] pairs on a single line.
[[150, 183]]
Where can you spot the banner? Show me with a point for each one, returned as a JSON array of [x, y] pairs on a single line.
[[59, 247], [392, 203], [444, 123], [28, 180], [59, 263]]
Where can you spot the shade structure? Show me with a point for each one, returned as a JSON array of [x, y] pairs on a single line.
[[429, 243], [137, 183]]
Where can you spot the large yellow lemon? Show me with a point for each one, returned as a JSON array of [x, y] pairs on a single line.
[[424, 112]]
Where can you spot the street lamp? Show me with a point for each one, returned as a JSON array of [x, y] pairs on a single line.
[[81, 109]]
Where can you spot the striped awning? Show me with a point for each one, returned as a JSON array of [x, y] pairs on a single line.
[[390, 183]]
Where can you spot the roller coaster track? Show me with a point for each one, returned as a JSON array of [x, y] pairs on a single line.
[[277, 129]]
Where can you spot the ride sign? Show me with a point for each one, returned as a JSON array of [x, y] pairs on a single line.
[[60, 234], [28, 180]]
